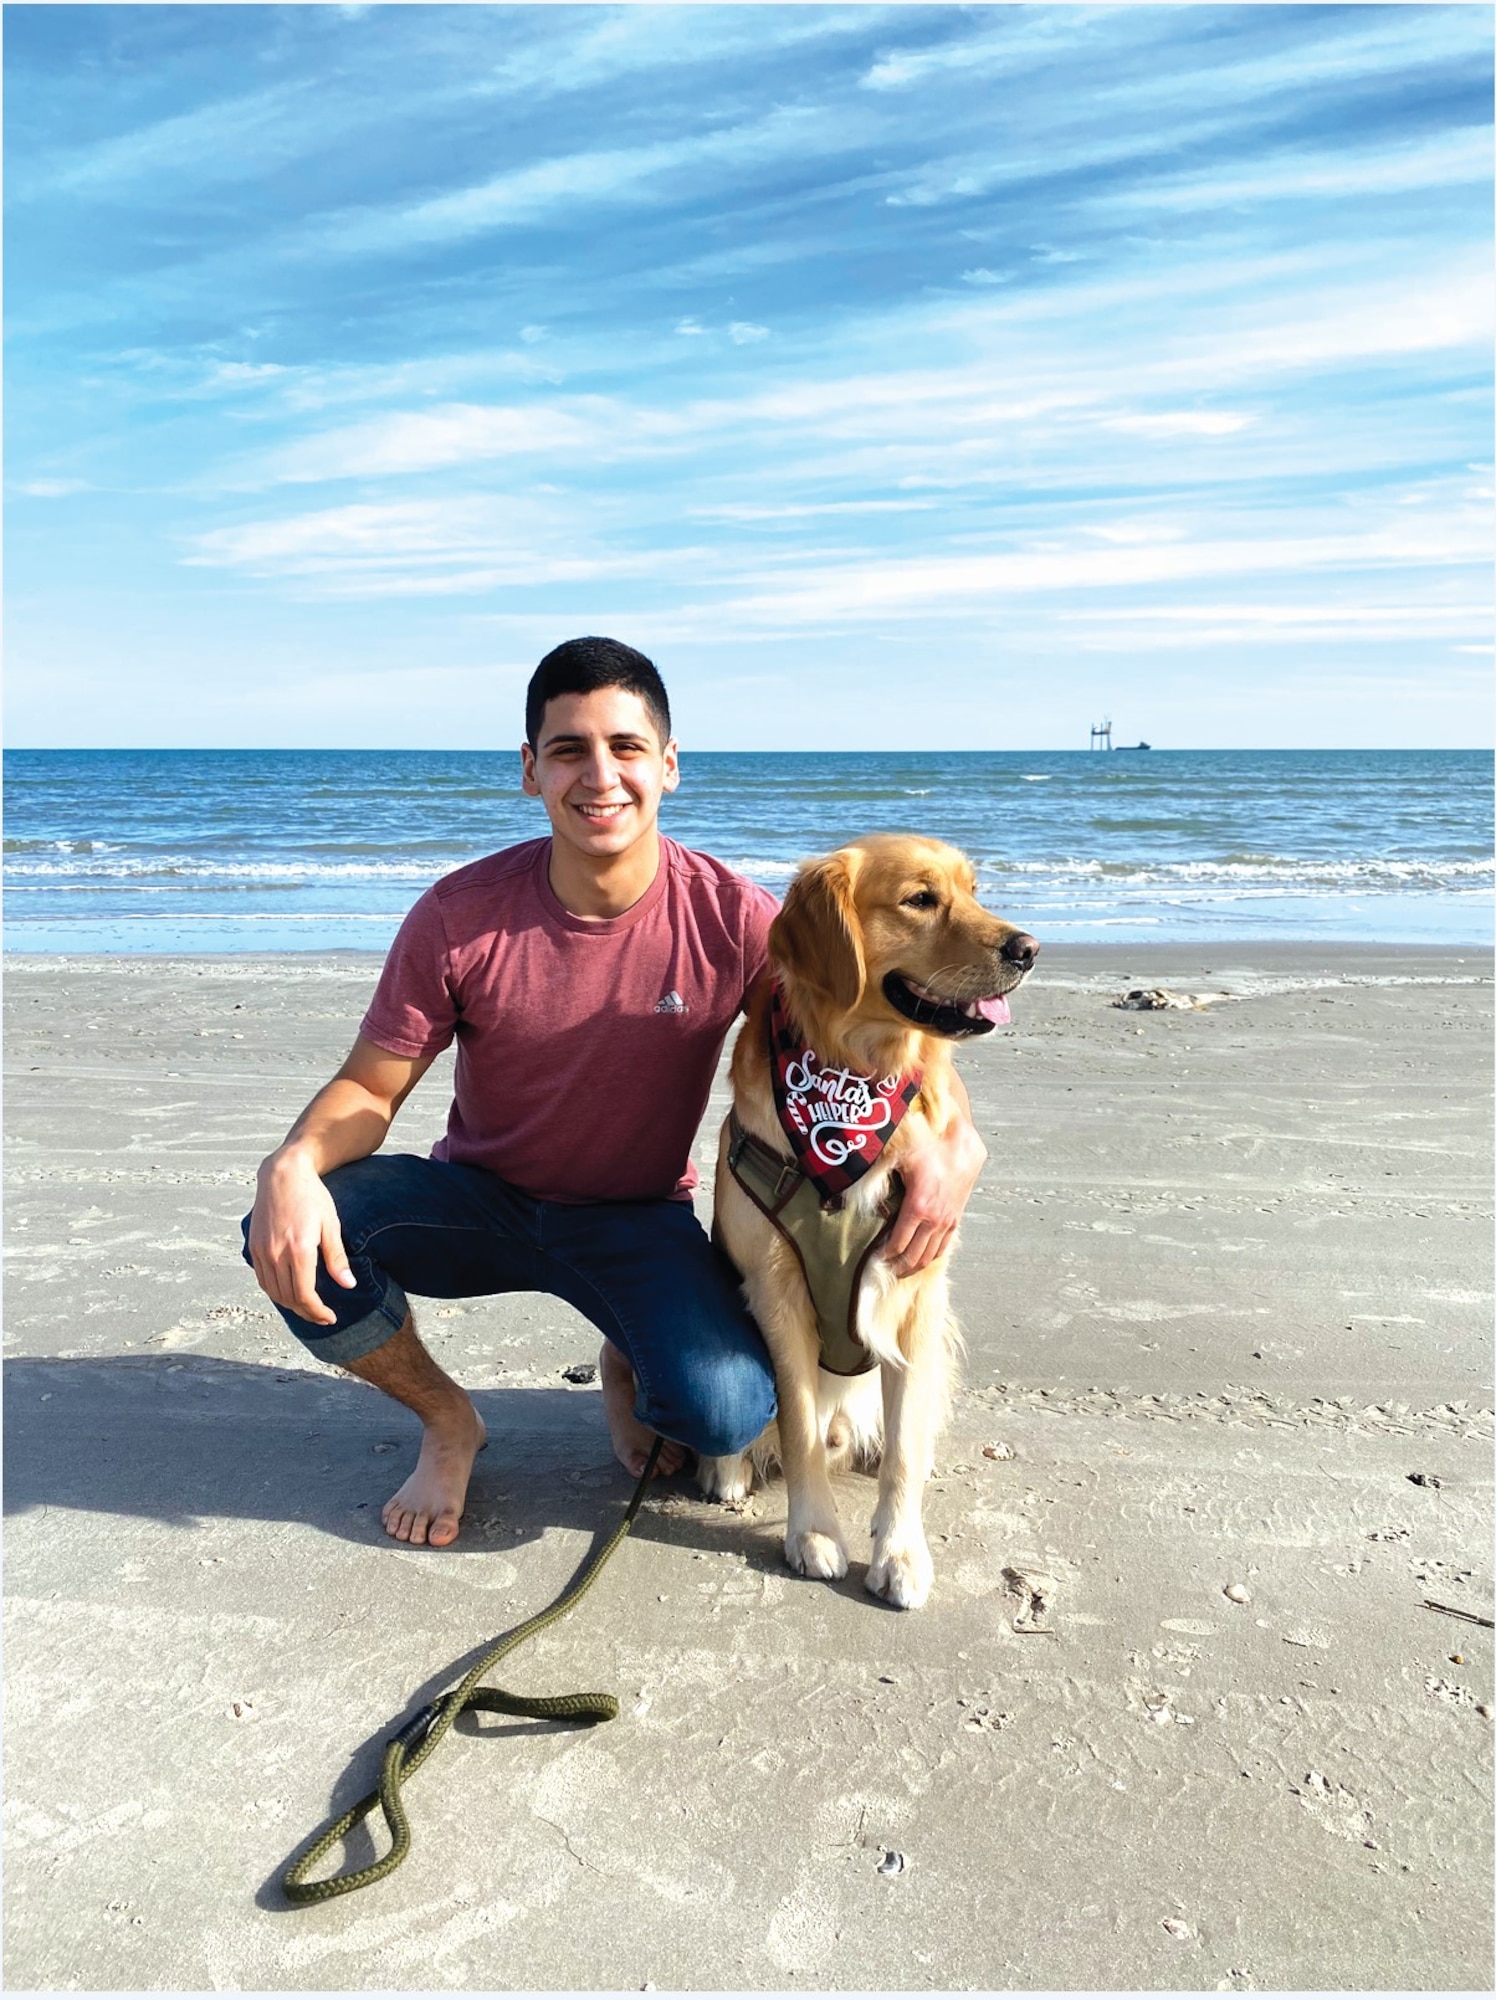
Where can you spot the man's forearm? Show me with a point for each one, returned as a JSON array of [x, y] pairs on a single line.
[[343, 1122], [960, 1107]]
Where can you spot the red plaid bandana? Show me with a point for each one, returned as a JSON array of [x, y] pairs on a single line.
[[837, 1120]]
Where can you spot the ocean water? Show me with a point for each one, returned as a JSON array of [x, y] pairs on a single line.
[[242, 850]]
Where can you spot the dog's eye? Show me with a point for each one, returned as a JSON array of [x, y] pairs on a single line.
[[922, 899]]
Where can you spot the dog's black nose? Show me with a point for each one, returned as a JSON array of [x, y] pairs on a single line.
[[1020, 949]]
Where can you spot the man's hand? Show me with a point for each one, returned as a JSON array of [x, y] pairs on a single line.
[[939, 1174], [294, 1222], [295, 1217]]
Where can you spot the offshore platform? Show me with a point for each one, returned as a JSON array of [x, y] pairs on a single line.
[[1101, 738]]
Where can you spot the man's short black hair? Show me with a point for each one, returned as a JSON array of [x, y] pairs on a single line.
[[580, 666]]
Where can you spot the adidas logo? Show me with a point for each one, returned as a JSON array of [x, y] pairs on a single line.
[[671, 1004]]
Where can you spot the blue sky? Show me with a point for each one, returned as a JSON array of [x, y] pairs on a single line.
[[926, 377]]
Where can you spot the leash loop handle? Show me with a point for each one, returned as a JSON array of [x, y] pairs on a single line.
[[414, 1741]]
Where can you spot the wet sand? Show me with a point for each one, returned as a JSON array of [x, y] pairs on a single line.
[[1226, 1287]]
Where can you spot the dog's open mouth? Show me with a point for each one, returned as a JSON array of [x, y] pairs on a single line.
[[939, 1014]]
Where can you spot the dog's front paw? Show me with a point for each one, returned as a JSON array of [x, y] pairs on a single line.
[[729, 1479], [902, 1575], [815, 1554]]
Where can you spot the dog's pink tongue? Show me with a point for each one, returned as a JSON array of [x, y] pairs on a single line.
[[994, 1010]]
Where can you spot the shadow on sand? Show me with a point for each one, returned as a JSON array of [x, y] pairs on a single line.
[[194, 1441], [189, 1439]]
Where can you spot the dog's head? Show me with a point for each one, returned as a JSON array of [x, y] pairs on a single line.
[[888, 931]]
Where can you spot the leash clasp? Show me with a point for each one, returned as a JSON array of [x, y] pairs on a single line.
[[414, 1733]]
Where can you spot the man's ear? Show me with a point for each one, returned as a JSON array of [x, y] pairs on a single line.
[[817, 936], [529, 784]]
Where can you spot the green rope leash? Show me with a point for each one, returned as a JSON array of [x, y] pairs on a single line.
[[410, 1746]]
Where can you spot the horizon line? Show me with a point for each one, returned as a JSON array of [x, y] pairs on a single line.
[[707, 750]]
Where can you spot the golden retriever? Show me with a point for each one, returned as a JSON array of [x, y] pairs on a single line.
[[884, 958]]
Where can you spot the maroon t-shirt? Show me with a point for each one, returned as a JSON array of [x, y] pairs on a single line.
[[585, 1050]]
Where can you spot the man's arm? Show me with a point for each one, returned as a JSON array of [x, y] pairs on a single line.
[[938, 1175], [294, 1218]]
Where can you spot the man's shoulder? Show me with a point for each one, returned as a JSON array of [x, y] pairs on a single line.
[[511, 867], [465, 909], [704, 876]]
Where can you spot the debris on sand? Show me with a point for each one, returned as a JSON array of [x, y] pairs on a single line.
[[893, 1863], [1452, 1611], [581, 1371], [1036, 1592], [1151, 999], [984, 1717], [1443, 1690]]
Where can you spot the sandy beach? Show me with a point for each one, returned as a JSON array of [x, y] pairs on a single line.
[[1226, 1290]]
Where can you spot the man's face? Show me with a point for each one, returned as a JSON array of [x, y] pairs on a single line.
[[600, 768]]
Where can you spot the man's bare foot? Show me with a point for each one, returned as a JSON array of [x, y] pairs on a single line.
[[428, 1507], [632, 1441]]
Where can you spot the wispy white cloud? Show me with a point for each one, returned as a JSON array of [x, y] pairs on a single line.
[[450, 547], [606, 178], [51, 489], [402, 442], [1005, 45], [1187, 628], [741, 332], [1179, 423], [1134, 533], [607, 45], [213, 141], [746, 511], [937, 585], [1298, 174], [238, 374], [1395, 42]]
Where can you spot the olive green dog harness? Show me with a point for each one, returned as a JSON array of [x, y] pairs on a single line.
[[831, 1240]]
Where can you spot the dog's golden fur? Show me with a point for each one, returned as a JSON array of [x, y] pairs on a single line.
[[889, 904]]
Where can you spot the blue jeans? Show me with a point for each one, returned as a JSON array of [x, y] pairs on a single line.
[[644, 1272]]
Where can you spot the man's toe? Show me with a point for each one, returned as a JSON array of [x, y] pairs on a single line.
[[442, 1531]]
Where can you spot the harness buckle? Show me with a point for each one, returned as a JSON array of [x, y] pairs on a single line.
[[788, 1173]]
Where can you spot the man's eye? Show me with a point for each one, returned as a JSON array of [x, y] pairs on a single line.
[[922, 899]]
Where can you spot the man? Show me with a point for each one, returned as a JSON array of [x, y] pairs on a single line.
[[589, 980]]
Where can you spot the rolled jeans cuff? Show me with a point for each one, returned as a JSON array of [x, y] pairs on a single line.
[[348, 1339], [342, 1344]]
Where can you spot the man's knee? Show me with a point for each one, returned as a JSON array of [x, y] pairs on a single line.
[[735, 1405]]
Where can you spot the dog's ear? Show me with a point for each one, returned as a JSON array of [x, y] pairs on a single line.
[[817, 936]]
